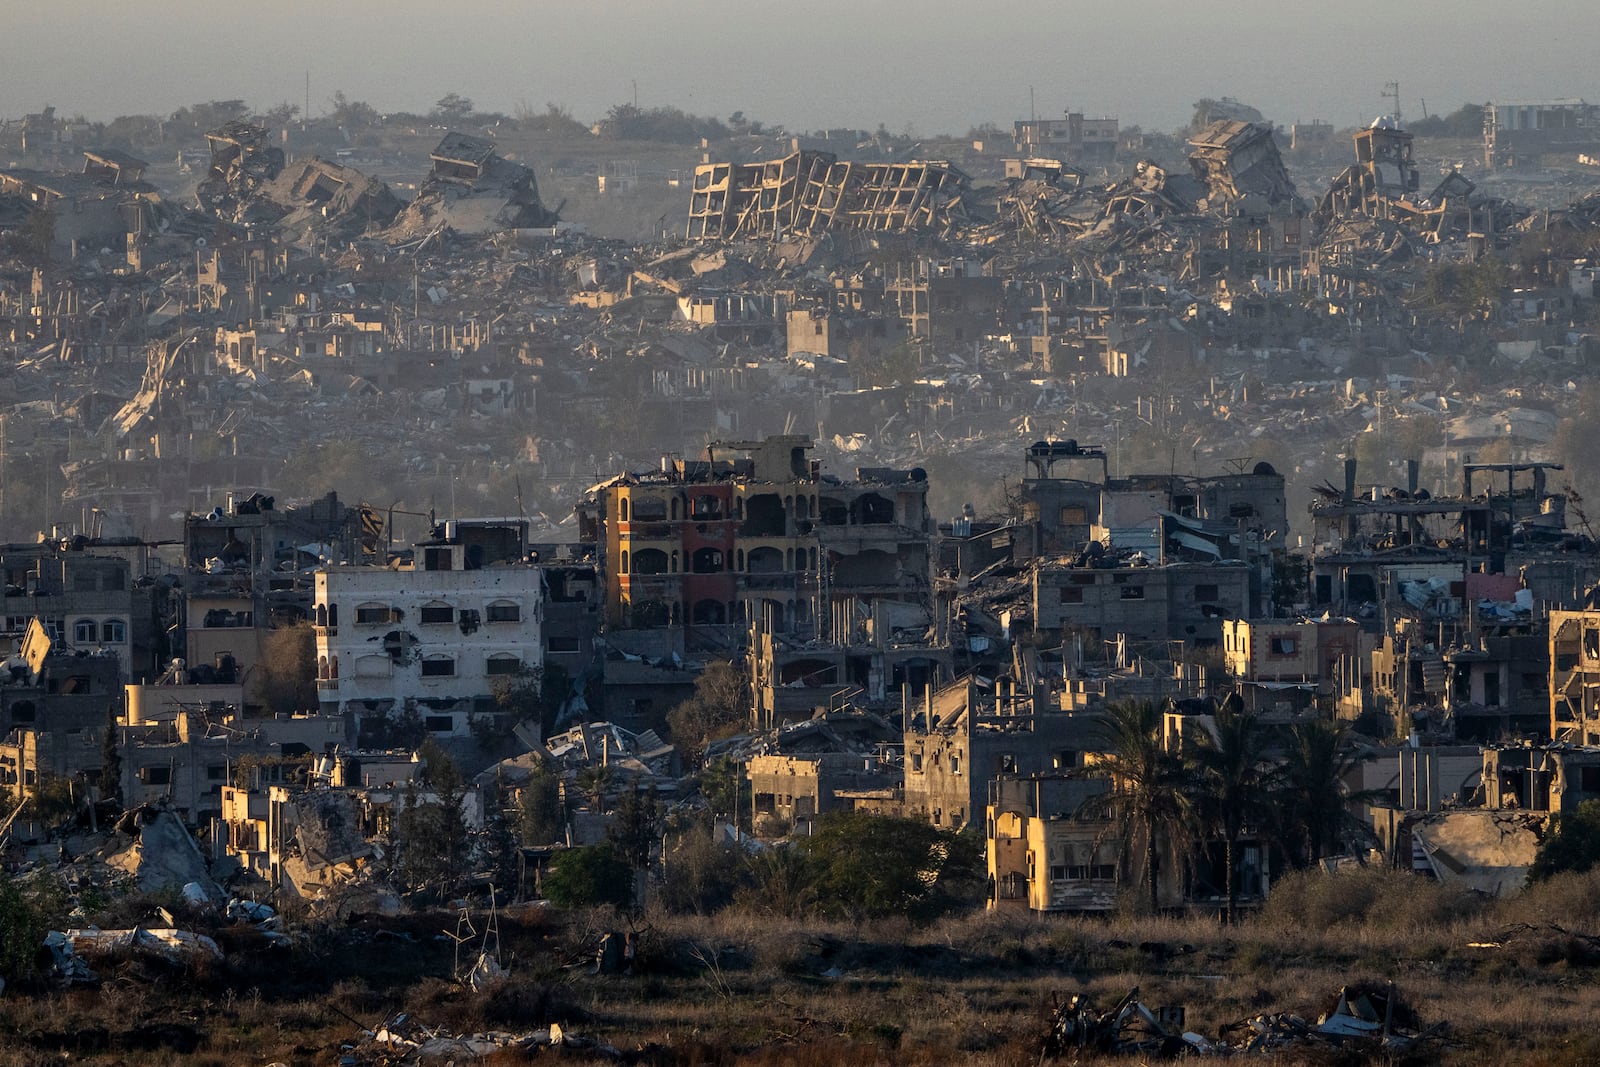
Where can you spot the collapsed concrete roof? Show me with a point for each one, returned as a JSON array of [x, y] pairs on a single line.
[[329, 199], [473, 190], [1235, 159]]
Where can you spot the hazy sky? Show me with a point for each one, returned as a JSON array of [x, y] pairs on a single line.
[[937, 66]]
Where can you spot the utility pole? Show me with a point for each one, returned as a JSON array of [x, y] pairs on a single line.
[[1391, 91]]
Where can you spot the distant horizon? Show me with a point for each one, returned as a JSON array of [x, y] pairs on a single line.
[[827, 64]]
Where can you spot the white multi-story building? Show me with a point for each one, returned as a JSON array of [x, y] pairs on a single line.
[[436, 635]]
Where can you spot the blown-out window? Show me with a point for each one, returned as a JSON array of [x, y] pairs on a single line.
[[503, 663]]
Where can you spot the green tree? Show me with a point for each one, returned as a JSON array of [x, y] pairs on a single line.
[[432, 831], [1151, 801], [719, 708], [438, 769], [727, 790], [1311, 799], [635, 825], [352, 113], [1238, 784], [533, 695], [875, 866], [28, 910], [280, 116], [55, 799], [541, 813], [453, 108], [498, 838], [210, 115], [588, 877], [1465, 122], [555, 119], [111, 761], [781, 882], [1572, 845], [33, 239], [594, 781]]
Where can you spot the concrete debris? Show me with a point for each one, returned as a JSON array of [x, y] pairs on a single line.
[[631, 756], [1077, 1029], [472, 190], [250, 911], [72, 951], [1369, 1018], [165, 857], [1487, 852], [1240, 159], [242, 164], [404, 1040], [314, 199]]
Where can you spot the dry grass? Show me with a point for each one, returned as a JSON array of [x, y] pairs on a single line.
[[743, 988]]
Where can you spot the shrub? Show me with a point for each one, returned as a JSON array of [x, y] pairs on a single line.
[[590, 876], [1574, 844], [27, 911], [699, 873], [1376, 897], [876, 866]]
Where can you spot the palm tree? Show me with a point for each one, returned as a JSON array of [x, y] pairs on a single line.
[[1313, 796], [1151, 798], [1233, 769], [593, 781]]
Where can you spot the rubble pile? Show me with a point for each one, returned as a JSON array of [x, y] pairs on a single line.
[[243, 163], [1366, 1019], [405, 1040], [164, 856], [1077, 1028], [471, 190]]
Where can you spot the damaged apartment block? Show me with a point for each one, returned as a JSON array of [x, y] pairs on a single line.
[[829, 578], [808, 193], [242, 162]]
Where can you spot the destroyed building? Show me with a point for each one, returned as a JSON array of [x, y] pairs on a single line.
[[1282, 666], [757, 533], [1075, 138], [434, 637], [1448, 586], [809, 193], [249, 570], [55, 705], [1383, 174], [243, 162], [1518, 132], [473, 190], [1042, 855], [1541, 778], [91, 595], [100, 211], [314, 199], [1238, 159], [964, 735]]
